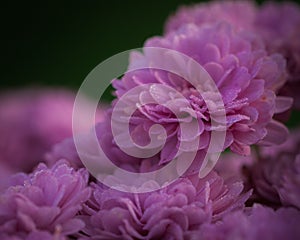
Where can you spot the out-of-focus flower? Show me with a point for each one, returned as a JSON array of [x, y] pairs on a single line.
[[247, 79], [240, 14], [31, 121], [5, 173], [276, 174], [261, 223], [279, 24], [44, 203], [169, 213], [233, 166], [67, 149]]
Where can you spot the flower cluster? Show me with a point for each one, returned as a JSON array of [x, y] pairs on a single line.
[[215, 81]]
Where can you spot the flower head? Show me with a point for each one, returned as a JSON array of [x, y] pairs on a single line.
[[260, 223], [233, 166], [276, 174], [44, 203], [67, 150], [168, 213], [31, 121], [240, 14], [245, 75], [279, 24]]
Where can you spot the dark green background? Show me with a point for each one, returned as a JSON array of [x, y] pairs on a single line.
[[59, 43]]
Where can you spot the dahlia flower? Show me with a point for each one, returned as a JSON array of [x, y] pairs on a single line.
[[261, 223], [169, 213], [31, 121], [240, 14], [279, 24], [247, 79], [276, 174], [44, 204]]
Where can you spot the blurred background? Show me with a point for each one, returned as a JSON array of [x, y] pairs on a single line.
[[56, 43]]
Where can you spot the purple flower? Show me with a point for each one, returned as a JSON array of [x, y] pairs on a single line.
[[260, 223], [246, 76], [240, 14], [233, 166], [279, 24], [5, 173], [276, 174], [44, 203], [67, 150], [169, 213], [31, 121]]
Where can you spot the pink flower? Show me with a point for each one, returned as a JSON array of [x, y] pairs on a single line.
[[279, 24], [233, 166], [260, 223], [240, 14], [246, 76], [31, 121], [67, 149], [169, 213], [44, 203], [276, 175]]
